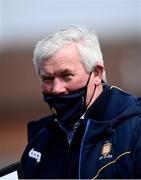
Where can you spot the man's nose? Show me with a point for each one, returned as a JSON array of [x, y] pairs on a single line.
[[58, 87]]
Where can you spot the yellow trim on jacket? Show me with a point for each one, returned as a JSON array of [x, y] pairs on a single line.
[[112, 162]]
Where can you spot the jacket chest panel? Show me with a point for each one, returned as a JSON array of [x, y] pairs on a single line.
[[107, 156]]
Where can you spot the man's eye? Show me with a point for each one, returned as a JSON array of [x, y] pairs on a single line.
[[68, 75], [46, 78]]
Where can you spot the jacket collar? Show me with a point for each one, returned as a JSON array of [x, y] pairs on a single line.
[[97, 109]]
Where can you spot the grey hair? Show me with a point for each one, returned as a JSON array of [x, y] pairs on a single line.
[[86, 42]]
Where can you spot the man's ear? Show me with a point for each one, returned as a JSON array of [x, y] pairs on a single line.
[[98, 72]]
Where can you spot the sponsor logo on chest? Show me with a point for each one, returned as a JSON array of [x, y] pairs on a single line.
[[35, 154]]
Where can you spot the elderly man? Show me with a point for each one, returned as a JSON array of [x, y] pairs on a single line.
[[94, 130]]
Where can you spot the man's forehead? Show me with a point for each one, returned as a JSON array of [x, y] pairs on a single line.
[[60, 66], [64, 70], [59, 63]]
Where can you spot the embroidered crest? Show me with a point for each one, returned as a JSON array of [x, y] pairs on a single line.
[[106, 149]]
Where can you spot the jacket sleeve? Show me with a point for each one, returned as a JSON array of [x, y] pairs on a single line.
[[137, 150]]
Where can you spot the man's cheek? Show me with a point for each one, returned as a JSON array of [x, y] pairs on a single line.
[[46, 88]]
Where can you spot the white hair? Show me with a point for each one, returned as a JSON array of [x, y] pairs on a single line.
[[85, 40]]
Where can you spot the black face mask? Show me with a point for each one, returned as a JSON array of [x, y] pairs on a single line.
[[68, 108]]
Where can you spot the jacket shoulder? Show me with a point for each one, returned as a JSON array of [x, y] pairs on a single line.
[[33, 127]]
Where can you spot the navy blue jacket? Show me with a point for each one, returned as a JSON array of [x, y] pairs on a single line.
[[106, 144]]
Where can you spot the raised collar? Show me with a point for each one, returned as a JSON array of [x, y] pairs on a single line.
[[97, 109]]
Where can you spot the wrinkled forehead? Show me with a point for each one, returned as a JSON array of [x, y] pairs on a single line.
[[62, 66]]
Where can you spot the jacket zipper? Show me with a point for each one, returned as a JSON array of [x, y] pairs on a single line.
[[68, 153], [81, 148]]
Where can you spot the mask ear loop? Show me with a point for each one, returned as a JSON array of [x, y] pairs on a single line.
[[91, 97], [93, 91]]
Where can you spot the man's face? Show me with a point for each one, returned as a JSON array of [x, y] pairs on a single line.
[[63, 73]]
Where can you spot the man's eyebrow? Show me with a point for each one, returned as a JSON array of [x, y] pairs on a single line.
[[61, 72], [66, 71]]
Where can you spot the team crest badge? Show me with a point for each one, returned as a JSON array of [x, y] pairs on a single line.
[[106, 149]]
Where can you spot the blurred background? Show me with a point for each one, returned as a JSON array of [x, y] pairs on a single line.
[[24, 22]]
